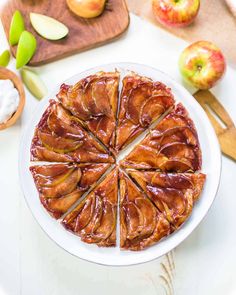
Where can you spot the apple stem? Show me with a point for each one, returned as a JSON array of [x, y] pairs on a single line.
[[199, 67]]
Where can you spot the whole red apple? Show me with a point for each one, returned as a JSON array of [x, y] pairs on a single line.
[[175, 13], [202, 64]]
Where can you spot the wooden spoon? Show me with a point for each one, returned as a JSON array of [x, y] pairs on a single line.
[[7, 74]]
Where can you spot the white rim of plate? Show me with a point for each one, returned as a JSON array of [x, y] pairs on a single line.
[[114, 256]]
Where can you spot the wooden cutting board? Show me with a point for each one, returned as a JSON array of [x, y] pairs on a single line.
[[214, 23], [83, 33]]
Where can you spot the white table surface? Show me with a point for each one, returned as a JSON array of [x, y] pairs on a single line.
[[30, 263]]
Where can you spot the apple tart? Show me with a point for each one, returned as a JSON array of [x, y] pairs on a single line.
[[142, 102], [83, 130], [173, 194], [93, 100], [94, 219], [59, 137], [141, 223], [172, 145], [61, 185]]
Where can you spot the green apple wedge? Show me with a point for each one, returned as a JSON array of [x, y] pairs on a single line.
[[26, 49], [34, 83], [16, 28], [5, 58], [48, 27]]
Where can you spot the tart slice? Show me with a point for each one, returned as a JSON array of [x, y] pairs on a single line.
[[61, 185], [94, 219], [59, 137], [171, 146], [142, 102], [93, 100], [173, 194], [141, 224]]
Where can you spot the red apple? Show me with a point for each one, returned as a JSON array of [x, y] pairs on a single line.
[[202, 64], [175, 13]]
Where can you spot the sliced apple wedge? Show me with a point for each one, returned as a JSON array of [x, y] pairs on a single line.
[[34, 83], [107, 223], [58, 144], [65, 187], [149, 216], [26, 48], [48, 27], [47, 181], [95, 220], [63, 124], [16, 28], [5, 58]]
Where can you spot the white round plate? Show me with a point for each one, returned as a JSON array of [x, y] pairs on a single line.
[[114, 256]]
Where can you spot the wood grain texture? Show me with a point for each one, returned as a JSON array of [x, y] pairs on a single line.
[[83, 33], [214, 23], [226, 130]]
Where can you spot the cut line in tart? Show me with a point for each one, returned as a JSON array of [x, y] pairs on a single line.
[[171, 146], [141, 223], [94, 100], [174, 194], [59, 137], [61, 185], [94, 219], [142, 102]]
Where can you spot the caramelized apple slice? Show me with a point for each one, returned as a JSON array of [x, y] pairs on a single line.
[[61, 185], [58, 144], [172, 146], [141, 224], [142, 102], [106, 227], [63, 124], [59, 137], [81, 215], [100, 227], [135, 224], [151, 110], [173, 194], [95, 220], [93, 100], [58, 206]]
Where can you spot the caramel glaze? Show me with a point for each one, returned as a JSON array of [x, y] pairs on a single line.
[[93, 100], [142, 102], [59, 137], [171, 146], [94, 219], [152, 204], [141, 223], [61, 185], [173, 194]]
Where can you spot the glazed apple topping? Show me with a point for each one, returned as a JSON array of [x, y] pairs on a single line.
[[84, 131], [171, 146], [142, 102], [173, 194], [59, 137], [94, 101], [61, 185], [94, 219], [141, 224]]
